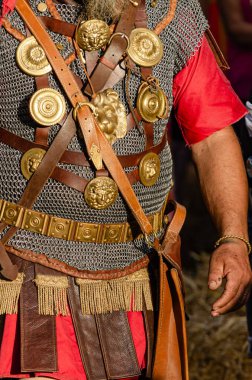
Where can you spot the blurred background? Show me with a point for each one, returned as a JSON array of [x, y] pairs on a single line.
[[221, 348]]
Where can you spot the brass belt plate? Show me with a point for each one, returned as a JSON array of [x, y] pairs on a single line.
[[149, 169], [92, 35], [47, 106], [111, 114], [152, 103], [101, 193], [145, 47], [31, 160], [31, 58]]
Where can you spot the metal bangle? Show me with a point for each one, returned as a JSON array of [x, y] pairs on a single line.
[[226, 237]]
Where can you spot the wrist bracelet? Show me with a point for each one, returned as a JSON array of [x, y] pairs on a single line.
[[226, 237]]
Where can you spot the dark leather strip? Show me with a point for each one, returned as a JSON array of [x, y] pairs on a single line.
[[38, 339], [72, 271], [117, 345], [87, 336], [149, 329], [58, 26], [76, 158]]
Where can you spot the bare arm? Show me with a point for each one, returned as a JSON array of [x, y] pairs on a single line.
[[237, 27], [224, 184]]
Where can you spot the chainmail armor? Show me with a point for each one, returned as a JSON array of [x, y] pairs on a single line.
[[181, 39]]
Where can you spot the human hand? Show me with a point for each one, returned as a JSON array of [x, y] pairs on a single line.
[[230, 261]]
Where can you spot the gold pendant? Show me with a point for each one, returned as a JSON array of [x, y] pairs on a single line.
[[152, 103], [101, 192], [149, 169], [31, 160], [110, 114], [31, 58], [145, 47], [92, 35], [47, 106]]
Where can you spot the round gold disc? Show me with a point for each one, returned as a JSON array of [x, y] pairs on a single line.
[[31, 160], [101, 193], [152, 103], [31, 58], [42, 7], [47, 106], [145, 47], [92, 35], [149, 169]]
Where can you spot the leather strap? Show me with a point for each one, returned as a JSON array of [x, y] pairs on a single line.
[[38, 337], [114, 52], [44, 170], [87, 336], [117, 345]]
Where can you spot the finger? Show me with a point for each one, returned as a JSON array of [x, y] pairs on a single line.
[[215, 275], [231, 289], [238, 301]]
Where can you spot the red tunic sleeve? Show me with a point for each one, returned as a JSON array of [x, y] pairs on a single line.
[[204, 101]]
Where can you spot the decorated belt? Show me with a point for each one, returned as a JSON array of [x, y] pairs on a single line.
[[67, 229]]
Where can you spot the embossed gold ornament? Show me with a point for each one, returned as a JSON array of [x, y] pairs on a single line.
[[31, 58], [31, 160], [152, 103], [110, 114], [149, 169], [145, 48], [92, 35], [47, 106], [101, 192]]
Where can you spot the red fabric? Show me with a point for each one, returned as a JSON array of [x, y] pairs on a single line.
[[69, 360], [7, 6], [204, 101]]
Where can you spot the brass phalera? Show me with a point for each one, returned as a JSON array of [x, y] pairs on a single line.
[[31, 58], [145, 47], [92, 35]]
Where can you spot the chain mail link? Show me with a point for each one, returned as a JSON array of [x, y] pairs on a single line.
[[181, 39]]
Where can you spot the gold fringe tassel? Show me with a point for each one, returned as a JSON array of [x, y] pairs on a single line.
[[52, 294], [128, 293], [9, 294]]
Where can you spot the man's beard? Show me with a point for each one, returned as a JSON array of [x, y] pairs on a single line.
[[104, 9]]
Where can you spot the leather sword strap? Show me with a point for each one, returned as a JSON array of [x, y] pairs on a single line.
[[91, 131]]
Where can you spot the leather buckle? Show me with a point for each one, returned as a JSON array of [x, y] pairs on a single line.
[[11, 213]]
